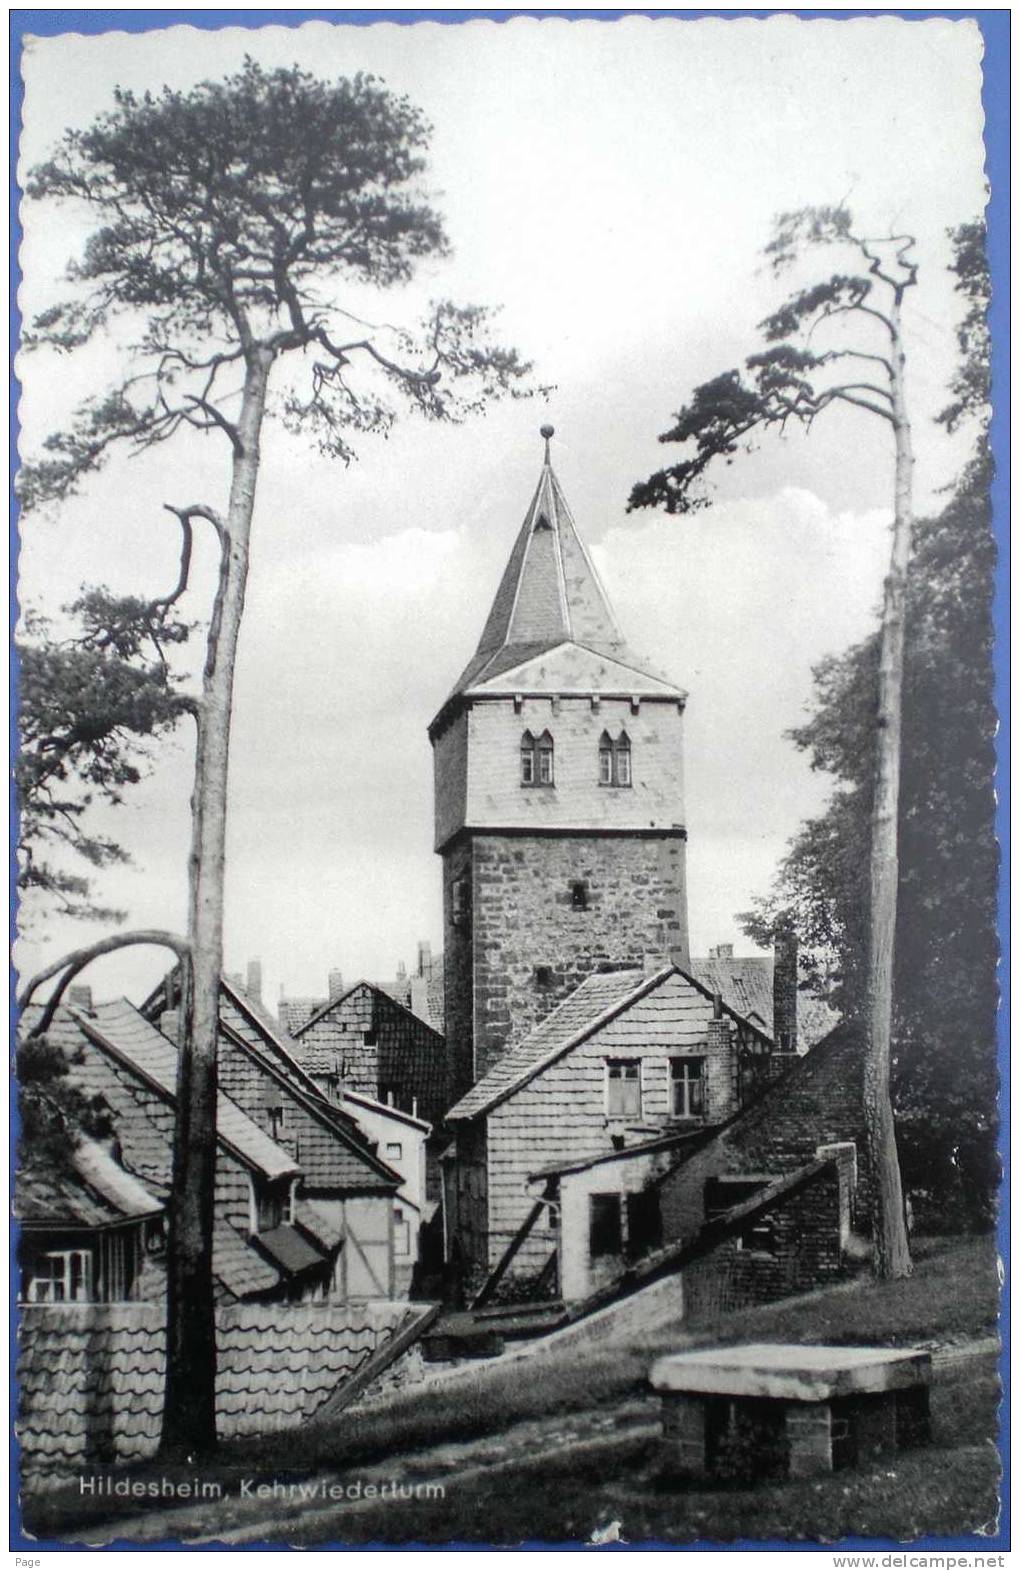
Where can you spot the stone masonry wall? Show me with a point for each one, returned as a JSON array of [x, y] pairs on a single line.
[[533, 945]]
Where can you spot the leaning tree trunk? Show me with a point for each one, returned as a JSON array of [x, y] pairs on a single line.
[[892, 1254], [189, 1412]]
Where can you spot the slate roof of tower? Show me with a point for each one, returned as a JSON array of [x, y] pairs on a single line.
[[550, 594]]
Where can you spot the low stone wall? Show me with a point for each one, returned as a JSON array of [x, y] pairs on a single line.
[[90, 1376]]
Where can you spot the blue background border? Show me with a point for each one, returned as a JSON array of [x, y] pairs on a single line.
[[995, 30]]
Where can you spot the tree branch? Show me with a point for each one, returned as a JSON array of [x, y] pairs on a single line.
[[70, 965]]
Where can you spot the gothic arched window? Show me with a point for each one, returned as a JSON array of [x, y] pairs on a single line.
[[605, 759], [528, 775], [621, 760], [614, 760], [545, 759], [537, 759]]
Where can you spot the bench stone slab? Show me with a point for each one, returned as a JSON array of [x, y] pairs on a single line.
[[790, 1372]]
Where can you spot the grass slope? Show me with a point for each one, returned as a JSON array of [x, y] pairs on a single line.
[[952, 1297]]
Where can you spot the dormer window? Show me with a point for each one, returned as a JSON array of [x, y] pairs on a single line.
[[614, 760], [536, 759]]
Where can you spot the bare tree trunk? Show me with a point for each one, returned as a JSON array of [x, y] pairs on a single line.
[[189, 1412], [892, 1253]]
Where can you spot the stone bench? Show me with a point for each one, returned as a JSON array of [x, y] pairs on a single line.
[[780, 1410]]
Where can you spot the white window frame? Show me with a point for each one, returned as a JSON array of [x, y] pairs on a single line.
[[394, 1151], [622, 1080], [66, 1257], [679, 1076]]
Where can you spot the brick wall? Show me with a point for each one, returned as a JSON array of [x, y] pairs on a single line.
[[805, 1254], [819, 1102]]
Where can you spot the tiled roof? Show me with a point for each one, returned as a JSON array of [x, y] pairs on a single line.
[[106, 1177], [600, 999], [335, 1153], [119, 1028], [91, 1376], [240, 1269], [93, 1191], [549, 594], [578, 1014], [290, 1250], [317, 1221], [745, 982]]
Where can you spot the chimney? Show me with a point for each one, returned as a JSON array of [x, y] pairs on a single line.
[[253, 984], [169, 1022], [79, 996], [424, 957], [784, 989], [336, 983], [401, 971]]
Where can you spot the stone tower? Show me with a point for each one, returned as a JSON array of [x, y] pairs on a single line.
[[558, 798]]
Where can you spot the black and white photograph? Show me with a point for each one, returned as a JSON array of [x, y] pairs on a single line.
[[505, 933]]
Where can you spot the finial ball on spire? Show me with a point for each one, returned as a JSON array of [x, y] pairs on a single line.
[[547, 431]]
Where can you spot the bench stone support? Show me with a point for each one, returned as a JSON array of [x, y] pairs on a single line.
[[683, 1433], [809, 1437]]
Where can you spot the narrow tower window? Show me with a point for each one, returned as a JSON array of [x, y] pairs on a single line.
[[605, 759], [545, 759], [621, 758], [527, 759], [614, 760]]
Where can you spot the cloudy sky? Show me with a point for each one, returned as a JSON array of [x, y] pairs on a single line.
[[609, 185]]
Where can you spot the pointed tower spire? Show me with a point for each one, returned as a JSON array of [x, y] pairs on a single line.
[[549, 594]]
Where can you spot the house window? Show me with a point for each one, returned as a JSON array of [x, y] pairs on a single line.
[[61, 1277], [543, 976], [605, 1229], [614, 760], [623, 1087], [401, 1233], [277, 1120], [759, 1237], [687, 1087], [394, 1150]]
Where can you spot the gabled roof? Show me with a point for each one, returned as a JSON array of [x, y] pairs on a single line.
[[381, 993], [385, 1110], [550, 594], [598, 1000], [745, 982], [119, 1029], [342, 1156]]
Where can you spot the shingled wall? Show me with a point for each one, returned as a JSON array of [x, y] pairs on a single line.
[[90, 1376]]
